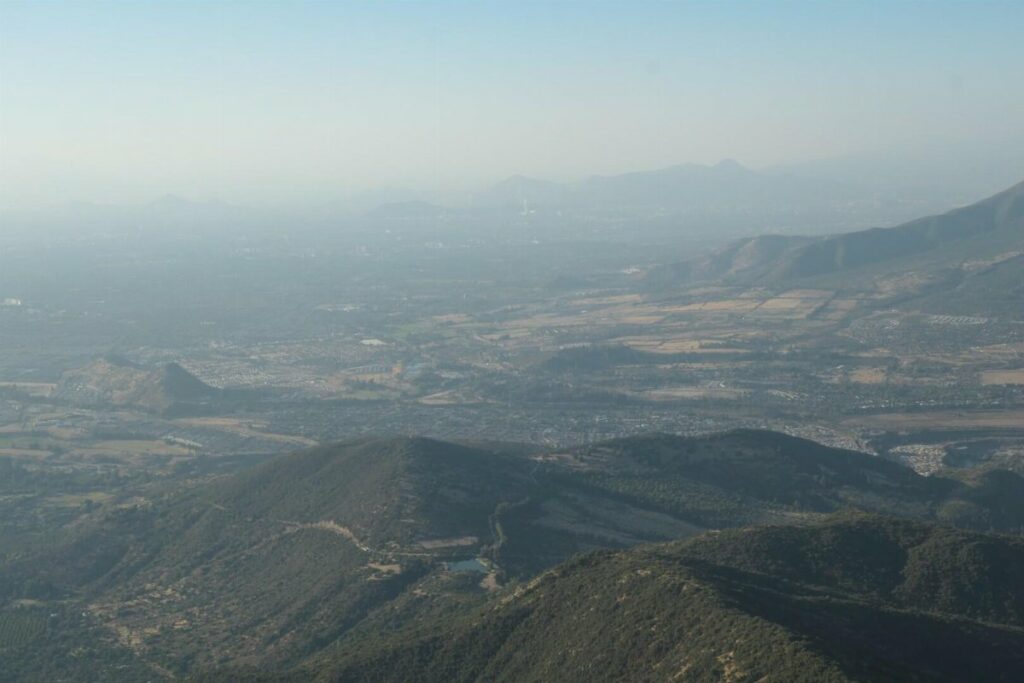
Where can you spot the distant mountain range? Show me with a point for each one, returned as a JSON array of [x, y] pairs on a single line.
[[883, 184], [724, 187], [279, 566], [679, 201]]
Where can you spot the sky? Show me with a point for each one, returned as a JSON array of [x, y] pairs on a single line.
[[292, 102]]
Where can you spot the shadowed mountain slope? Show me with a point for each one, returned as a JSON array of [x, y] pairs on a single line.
[[970, 250], [998, 217]]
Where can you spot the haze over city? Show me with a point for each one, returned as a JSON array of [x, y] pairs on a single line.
[[519, 341]]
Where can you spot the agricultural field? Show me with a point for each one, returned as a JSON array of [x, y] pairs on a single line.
[[21, 625], [1015, 376]]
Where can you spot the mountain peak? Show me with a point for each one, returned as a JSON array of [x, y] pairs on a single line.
[[730, 165]]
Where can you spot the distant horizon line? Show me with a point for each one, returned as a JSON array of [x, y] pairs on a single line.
[[421, 194]]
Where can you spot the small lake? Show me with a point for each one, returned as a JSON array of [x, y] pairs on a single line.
[[473, 565]]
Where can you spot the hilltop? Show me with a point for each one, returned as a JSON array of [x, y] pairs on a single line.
[[115, 381]]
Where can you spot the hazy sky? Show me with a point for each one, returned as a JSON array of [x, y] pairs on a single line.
[[304, 101]]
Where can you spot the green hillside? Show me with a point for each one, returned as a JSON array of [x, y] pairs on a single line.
[[751, 476], [852, 598], [268, 567]]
